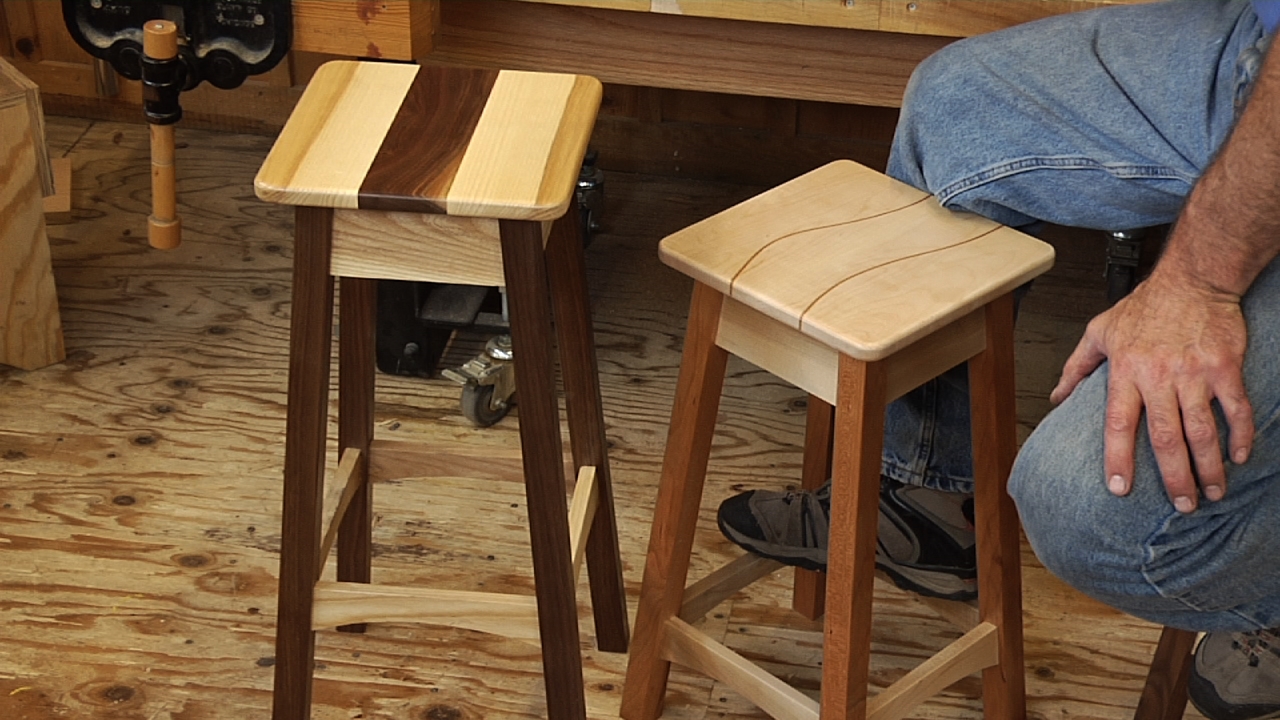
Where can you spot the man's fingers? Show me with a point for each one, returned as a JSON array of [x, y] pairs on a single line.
[[1239, 413], [1164, 426], [1084, 359], [1124, 408], [1201, 433]]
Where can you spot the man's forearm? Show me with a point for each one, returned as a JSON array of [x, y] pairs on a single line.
[[1230, 227]]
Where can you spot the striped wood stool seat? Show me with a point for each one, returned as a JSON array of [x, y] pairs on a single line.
[[452, 176], [856, 288]]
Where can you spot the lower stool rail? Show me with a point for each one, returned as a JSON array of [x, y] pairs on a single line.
[[975, 650], [715, 588], [685, 645], [348, 603]]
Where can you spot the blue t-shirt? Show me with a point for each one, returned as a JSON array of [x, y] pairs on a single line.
[[1268, 12]]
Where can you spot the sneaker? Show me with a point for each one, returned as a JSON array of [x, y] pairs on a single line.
[[926, 542], [1236, 676], [790, 527]]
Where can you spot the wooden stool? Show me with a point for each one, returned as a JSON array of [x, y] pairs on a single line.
[[453, 176], [855, 288]]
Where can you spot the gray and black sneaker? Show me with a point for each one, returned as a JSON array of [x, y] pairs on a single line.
[[1236, 676], [925, 543]]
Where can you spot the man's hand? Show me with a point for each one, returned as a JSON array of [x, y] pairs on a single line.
[[1177, 343], [1173, 348]]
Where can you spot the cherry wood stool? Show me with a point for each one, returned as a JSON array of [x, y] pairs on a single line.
[[454, 176], [855, 288]]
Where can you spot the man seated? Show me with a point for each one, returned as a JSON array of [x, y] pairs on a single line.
[[1154, 485]]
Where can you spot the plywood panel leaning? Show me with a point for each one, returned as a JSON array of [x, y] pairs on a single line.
[[30, 329]]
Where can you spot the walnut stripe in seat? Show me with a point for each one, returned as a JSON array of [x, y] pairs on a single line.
[[473, 143], [421, 152]]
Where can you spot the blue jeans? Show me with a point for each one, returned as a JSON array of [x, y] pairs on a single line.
[[1102, 119]]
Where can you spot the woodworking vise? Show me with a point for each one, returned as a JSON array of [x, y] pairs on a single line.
[[173, 46]]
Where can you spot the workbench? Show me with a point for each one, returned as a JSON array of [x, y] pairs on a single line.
[[844, 51]]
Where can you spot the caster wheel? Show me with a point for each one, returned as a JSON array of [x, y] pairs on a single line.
[[479, 407]]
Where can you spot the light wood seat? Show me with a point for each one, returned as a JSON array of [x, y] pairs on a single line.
[[856, 288], [456, 176]]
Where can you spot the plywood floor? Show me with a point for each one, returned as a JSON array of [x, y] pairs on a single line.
[[140, 479]]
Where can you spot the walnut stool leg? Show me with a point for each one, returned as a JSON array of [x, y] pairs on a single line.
[[304, 453], [810, 587], [357, 313], [1164, 696], [567, 274], [531, 339], [993, 409], [855, 506], [675, 517]]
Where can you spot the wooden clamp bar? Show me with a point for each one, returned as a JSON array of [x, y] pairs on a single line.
[[164, 227]]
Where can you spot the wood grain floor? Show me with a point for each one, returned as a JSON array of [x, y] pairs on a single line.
[[139, 480]]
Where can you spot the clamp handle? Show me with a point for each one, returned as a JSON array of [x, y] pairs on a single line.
[[164, 227]]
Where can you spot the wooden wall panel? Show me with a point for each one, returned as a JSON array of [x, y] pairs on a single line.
[[42, 49], [6, 43], [21, 26], [687, 53], [857, 14], [394, 30], [962, 18], [950, 18]]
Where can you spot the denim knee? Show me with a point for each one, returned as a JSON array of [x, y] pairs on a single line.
[[928, 112], [1081, 532], [1060, 514], [1210, 570]]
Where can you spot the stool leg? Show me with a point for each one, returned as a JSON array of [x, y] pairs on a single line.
[[675, 517], [306, 427], [567, 274], [531, 338], [1164, 696], [810, 587], [855, 506], [994, 413], [358, 323]]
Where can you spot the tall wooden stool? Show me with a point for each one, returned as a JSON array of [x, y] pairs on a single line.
[[855, 288], [454, 176]]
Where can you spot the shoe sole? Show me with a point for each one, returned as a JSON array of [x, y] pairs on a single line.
[[931, 583], [1204, 696]]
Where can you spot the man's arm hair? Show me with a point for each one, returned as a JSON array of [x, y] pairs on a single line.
[[1229, 229]]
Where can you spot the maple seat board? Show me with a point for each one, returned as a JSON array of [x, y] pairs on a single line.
[[465, 142], [855, 259]]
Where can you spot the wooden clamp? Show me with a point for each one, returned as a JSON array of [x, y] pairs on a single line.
[[164, 227]]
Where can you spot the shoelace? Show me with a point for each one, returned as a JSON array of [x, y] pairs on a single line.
[[1256, 642]]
